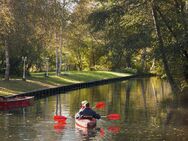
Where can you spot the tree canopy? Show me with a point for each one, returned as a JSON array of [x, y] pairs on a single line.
[[136, 35]]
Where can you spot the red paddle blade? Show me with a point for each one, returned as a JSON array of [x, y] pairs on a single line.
[[102, 132], [114, 129], [57, 118], [63, 121], [58, 127], [114, 117], [100, 105]]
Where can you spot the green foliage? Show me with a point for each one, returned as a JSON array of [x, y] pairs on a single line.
[[28, 26], [129, 70], [95, 35]]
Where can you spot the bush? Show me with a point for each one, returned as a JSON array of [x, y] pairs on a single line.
[[129, 70], [99, 68]]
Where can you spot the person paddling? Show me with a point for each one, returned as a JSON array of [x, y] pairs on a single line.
[[86, 112], [83, 105]]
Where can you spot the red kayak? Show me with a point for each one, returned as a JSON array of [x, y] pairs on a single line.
[[15, 102], [86, 122]]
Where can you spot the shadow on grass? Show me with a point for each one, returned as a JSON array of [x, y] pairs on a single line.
[[17, 86], [39, 81], [71, 77], [90, 76]]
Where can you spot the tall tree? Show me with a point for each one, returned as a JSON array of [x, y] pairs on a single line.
[[128, 27], [161, 46], [6, 28]]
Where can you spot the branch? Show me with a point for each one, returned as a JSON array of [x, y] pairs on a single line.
[[166, 23]]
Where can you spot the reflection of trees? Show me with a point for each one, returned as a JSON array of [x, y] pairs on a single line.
[[115, 105], [139, 104], [127, 100], [148, 93], [143, 89], [58, 105], [46, 107], [154, 91], [134, 99], [162, 89], [176, 116], [93, 95]]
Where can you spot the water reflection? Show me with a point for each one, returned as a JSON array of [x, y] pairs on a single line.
[[145, 105]]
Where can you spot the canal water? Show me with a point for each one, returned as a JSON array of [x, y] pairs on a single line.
[[146, 107]]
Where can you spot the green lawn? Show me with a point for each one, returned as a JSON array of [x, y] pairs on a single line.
[[38, 80]]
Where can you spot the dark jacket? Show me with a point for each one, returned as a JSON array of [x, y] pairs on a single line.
[[87, 112]]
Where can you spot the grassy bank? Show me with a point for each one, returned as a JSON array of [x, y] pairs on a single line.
[[38, 80]]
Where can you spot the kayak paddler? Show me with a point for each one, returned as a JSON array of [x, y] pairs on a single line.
[[86, 112]]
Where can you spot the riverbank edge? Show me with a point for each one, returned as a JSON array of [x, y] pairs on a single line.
[[46, 92]]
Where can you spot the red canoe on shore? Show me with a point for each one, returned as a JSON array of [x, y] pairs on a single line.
[[15, 102]]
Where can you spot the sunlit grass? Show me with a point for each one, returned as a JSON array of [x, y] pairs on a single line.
[[39, 81]]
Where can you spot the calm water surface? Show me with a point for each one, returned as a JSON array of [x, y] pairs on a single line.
[[145, 106]]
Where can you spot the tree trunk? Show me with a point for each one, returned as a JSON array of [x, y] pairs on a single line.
[[93, 57], [7, 58], [163, 54], [56, 54], [153, 65], [61, 45], [185, 25], [143, 60], [57, 61], [60, 54], [128, 60]]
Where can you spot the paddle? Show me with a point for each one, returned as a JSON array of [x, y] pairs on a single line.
[[59, 118], [100, 105], [58, 127], [109, 117], [114, 129], [113, 117]]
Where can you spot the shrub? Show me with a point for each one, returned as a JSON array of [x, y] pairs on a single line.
[[129, 70]]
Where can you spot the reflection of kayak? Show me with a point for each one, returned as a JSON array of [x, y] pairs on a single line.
[[86, 123]]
